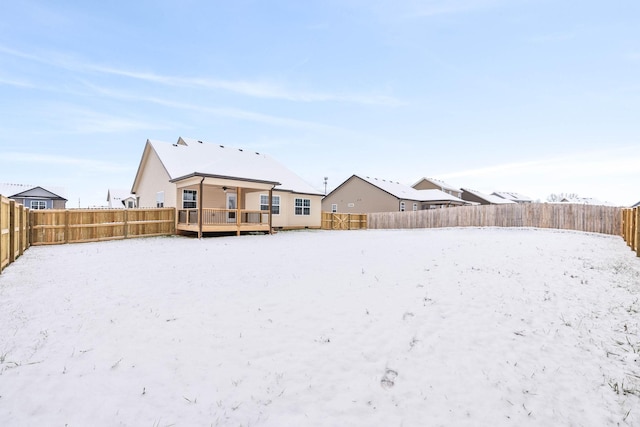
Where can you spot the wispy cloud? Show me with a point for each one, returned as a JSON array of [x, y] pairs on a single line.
[[256, 89], [233, 113], [52, 159]]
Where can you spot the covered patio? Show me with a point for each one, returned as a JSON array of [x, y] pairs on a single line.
[[219, 204]]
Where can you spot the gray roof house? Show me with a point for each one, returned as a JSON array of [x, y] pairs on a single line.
[[34, 197], [362, 194], [514, 197], [482, 198], [436, 184]]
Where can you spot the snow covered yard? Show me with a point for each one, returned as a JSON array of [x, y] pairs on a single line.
[[368, 328]]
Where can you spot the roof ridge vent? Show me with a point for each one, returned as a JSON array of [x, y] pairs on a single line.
[[200, 141], [240, 149], [222, 146], [175, 145]]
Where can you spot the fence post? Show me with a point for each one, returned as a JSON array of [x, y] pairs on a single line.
[[12, 231], [66, 226], [636, 211]]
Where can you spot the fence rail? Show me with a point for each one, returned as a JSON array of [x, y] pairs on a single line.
[[14, 231], [56, 226], [631, 228], [343, 221], [589, 218]]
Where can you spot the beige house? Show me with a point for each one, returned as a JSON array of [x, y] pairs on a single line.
[[367, 195], [223, 189], [435, 184]]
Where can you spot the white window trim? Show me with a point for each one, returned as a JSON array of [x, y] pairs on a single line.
[[38, 204], [302, 207], [273, 203], [195, 192], [334, 208], [160, 199]]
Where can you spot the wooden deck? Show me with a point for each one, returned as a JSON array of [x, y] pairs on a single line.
[[223, 221]]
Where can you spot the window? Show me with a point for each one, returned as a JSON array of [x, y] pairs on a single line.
[[189, 199], [401, 206], [160, 199], [334, 208], [130, 204], [38, 204], [275, 204], [415, 206], [303, 207]]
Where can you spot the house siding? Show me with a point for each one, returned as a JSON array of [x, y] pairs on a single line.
[[153, 179], [358, 196], [287, 217], [428, 185]]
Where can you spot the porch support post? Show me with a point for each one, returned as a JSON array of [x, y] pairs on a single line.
[[270, 210], [200, 198], [238, 212]]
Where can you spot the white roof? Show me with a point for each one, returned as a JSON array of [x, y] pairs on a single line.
[[8, 190], [510, 195], [405, 192], [190, 156], [488, 197], [116, 197], [586, 201], [442, 184]]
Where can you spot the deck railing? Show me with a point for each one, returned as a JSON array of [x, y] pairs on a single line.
[[222, 217]]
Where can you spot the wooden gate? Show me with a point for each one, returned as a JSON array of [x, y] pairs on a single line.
[[343, 221]]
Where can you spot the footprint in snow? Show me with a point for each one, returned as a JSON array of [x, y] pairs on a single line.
[[388, 380]]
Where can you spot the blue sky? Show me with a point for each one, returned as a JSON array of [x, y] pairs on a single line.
[[531, 96]]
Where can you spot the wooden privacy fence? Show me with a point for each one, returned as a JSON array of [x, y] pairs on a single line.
[[631, 228], [14, 231], [56, 226], [589, 218], [343, 221]]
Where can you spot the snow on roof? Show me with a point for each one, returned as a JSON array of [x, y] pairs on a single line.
[[440, 183], [488, 197], [405, 192], [586, 201], [189, 156], [8, 189], [510, 195], [116, 197]]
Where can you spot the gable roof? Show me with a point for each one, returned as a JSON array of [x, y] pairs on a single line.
[[509, 195], [190, 157], [495, 200], [405, 192], [117, 197], [29, 191], [439, 183]]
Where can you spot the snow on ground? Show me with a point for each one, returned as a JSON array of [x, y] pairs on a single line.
[[447, 327]]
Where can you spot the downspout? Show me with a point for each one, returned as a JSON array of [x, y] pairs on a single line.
[[271, 209], [200, 197]]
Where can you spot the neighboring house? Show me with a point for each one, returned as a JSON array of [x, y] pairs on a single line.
[[367, 195], [435, 184], [585, 201], [514, 197], [34, 197], [220, 189], [482, 198], [121, 199]]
